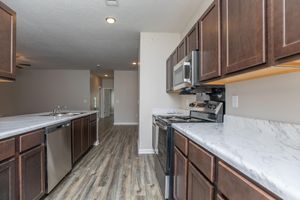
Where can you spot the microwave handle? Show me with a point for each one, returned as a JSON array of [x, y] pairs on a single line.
[[187, 69]]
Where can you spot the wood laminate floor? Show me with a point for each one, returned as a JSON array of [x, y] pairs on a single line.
[[112, 170]]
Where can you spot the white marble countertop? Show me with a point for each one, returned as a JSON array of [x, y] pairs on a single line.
[[170, 111], [266, 151], [15, 125]]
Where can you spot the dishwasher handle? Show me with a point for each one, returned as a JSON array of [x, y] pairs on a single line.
[[56, 127]]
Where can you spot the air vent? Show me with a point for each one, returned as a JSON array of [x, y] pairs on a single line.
[[112, 2]]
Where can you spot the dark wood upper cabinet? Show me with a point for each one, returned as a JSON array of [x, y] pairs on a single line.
[[180, 175], [7, 42], [174, 60], [210, 42], [285, 27], [76, 139], [8, 180], [181, 50], [243, 34], [192, 39], [32, 173], [198, 187]]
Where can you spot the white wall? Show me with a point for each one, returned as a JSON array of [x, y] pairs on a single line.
[[274, 98], [40, 90], [7, 99], [155, 48], [126, 97]]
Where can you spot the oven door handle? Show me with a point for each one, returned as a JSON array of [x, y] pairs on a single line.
[[161, 126]]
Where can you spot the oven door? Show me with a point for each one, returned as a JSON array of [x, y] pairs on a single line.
[[162, 146]]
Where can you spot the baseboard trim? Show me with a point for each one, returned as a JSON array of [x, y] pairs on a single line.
[[126, 123], [146, 151]]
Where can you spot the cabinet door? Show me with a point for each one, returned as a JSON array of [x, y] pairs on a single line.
[[7, 42], [192, 42], [76, 139], [174, 60], [243, 34], [198, 188], [169, 75], [210, 43], [85, 134], [181, 50], [32, 173], [180, 175], [93, 132], [236, 187], [8, 180], [285, 15]]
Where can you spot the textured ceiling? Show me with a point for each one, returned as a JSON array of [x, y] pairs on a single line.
[[73, 34]]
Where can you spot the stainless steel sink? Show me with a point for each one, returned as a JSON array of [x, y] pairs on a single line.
[[63, 114]]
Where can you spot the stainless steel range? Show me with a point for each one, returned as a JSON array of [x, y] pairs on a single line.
[[202, 112]]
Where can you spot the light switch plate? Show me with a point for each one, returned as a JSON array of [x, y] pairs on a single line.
[[235, 101]]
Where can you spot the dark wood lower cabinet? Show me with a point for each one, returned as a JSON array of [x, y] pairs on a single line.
[[198, 187], [76, 139], [236, 187], [93, 132], [8, 180], [85, 134], [194, 177], [80, 137], [32, 173], [180, 175]]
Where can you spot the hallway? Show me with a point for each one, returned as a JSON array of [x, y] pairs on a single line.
[[112, 170]]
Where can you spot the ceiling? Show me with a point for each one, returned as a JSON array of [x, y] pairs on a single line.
[[73, 34]]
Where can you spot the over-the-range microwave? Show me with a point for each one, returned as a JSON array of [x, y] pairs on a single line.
[[185, 73]]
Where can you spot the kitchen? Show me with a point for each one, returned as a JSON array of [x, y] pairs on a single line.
[[204, 107]]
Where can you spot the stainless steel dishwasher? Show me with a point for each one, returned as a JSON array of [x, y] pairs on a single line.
[[59, 160]]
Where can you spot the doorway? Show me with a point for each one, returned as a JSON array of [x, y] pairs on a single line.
[[107, 102]]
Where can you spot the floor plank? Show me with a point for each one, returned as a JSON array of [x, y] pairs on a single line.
[[112, 170]]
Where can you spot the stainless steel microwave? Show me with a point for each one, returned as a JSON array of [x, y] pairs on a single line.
[[185, 73]]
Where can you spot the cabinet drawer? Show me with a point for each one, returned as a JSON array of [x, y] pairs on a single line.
[[7, 148], [93, 117], [198, 186], [203, 160], [30, 140], [236, 187], [181, 142]]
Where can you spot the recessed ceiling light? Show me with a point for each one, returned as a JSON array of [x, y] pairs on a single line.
[[105, 75], [98, 65], [134, 63], [110, 20]]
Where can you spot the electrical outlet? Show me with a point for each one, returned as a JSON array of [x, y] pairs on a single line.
[[235, 101]]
